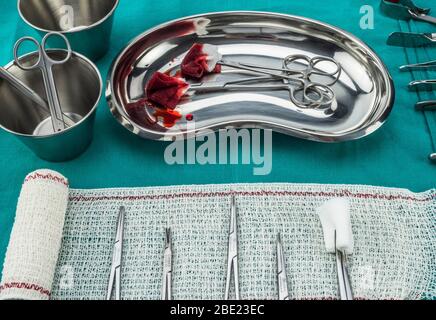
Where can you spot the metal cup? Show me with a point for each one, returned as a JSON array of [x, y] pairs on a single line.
[[86, 23], [79, 86]]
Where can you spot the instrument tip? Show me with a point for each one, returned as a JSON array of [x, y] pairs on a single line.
[[168, 235]]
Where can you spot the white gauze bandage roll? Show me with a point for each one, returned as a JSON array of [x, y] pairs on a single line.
[[36, 237]]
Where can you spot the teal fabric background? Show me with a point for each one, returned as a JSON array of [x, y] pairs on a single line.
[[394, 156]]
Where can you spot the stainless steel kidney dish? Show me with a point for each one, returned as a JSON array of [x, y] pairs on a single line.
[[364, 94]]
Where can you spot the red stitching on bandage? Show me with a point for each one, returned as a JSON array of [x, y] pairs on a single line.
[[25, 286], [342, 193], [47, 176]]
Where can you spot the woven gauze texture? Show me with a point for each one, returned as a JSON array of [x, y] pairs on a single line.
[[394, 231]]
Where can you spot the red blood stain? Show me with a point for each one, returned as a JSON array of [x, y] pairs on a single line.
[[195, 63], [138, 111], [165, 90], [168, 116]]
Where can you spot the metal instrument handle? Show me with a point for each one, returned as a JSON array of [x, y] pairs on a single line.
[[318, 60], [426, 65], [166, 293], [256, 70], [324, 94], [232, 259], [426, 105], [409, 4], [426, 85], [45, 63], [423, 17], [49, 82], [343, 277], [310, 66], [282, 280], [50, 61], [212, 87], [115, 275], [17, 46], [53, 99]]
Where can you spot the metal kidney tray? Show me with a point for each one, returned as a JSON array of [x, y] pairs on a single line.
[[364, 92]]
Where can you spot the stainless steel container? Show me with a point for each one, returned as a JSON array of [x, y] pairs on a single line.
[[79, 86], [86, 23]]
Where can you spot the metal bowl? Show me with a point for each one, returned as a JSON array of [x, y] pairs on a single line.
[[364, 92], [79, 87], [86, 23]]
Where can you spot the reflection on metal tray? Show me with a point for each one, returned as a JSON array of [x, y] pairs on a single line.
[[364, 92]]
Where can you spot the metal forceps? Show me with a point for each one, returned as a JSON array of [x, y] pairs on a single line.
[[300, 70], [262, 84], [282, 278], [296, 75], [314, 92], [430, 65], [294, 65], [345, 291], [232, 262], [167, 267], [45, 63], [115, 275]]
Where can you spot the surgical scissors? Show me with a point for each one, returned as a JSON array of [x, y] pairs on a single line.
[[45, 63], [282, 278], [232, 262], [167, 267], [115, 275]]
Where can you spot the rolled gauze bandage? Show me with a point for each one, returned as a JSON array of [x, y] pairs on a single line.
[[36, 237]]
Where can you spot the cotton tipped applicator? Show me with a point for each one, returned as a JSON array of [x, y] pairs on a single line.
[[338, 237]]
